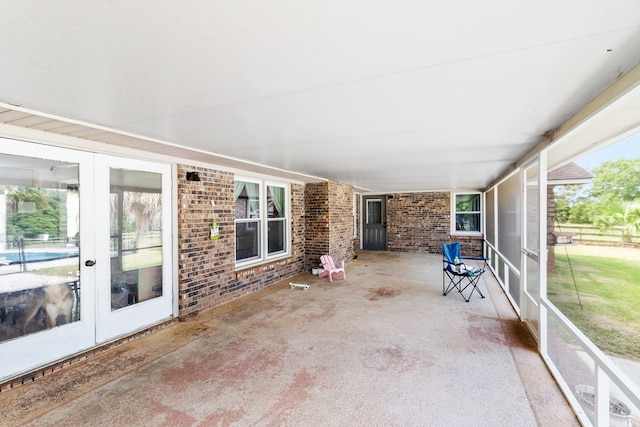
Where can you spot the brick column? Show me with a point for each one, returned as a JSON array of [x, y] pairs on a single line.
[[328, 222]]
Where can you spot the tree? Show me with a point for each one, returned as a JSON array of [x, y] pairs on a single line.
[[18, 195], [142, 212], [582, 213], [572, 204], [616, 181], [625, 215], [563, 210], [43, 219]]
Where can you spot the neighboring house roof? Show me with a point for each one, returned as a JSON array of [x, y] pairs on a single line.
[[570, 173]]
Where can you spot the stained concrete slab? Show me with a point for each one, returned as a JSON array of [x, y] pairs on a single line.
[[383, 348]]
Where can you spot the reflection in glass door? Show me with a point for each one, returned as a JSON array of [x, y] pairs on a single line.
[[39, 245], [136, 237]]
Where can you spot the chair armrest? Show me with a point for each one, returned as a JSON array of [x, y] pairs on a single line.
[[340, 264], [479, 258]]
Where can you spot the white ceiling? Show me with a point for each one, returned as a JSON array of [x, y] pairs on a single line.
[[406, 95]]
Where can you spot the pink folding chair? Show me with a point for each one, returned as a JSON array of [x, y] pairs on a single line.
[[330, 268]]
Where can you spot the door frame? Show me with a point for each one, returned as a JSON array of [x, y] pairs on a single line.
[[533, 254]]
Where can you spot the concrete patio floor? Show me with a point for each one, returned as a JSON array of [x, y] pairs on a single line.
[[383, 348]]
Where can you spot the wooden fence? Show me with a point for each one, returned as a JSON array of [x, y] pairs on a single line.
[[590, 235]]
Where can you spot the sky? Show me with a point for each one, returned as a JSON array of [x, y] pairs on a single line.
[[628, 148]]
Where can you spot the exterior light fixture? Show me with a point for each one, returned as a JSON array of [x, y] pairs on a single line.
[[193, 176]]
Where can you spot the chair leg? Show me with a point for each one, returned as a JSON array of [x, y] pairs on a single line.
[[454, 283], [473, 282]]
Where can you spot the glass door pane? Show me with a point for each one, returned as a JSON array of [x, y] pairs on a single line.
[[374, 212], [136, 237], [39, 245]]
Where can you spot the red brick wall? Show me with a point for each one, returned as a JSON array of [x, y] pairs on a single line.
[[469, 245], [316, 196], [329, 222], [206, 268], [421, 222], [322, 222], [341, 225]]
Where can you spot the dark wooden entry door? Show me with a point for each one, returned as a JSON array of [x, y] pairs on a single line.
[[374, 223]]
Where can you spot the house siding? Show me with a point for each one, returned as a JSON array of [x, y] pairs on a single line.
[[206, 267], [421, 222]]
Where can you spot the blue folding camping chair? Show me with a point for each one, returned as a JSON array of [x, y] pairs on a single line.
[[458, 275]]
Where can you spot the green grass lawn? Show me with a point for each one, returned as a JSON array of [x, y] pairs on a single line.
[[604, 300], [142, 259]]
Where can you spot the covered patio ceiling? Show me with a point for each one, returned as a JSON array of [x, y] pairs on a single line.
[[408, 95]]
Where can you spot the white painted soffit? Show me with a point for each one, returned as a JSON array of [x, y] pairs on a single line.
[[612, 116], [76, 134], [406, 96]]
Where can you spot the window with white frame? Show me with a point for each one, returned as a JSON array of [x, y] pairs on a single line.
[[467, 212], [261, 220]]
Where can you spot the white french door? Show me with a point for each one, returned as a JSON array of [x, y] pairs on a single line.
[[47, 294], [85, 251], [133, 255]]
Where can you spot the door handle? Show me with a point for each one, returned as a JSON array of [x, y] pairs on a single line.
[[531, 254], [90, 263]]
